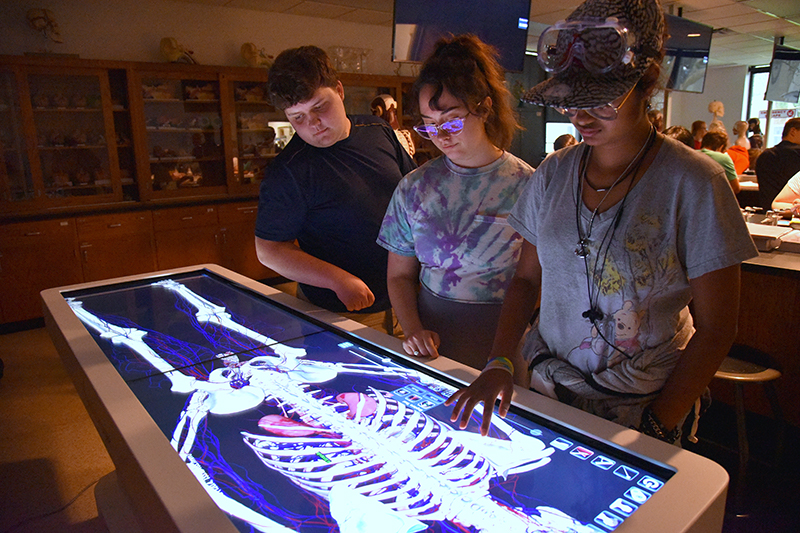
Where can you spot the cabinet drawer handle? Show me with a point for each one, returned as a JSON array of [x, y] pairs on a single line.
[[246, 209], [187, 218], [33, 233], [118, 225]]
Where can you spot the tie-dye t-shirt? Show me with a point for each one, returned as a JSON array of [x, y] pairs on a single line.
[[453, 219]]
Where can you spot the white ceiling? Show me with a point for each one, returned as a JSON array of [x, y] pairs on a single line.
[[744, 30]]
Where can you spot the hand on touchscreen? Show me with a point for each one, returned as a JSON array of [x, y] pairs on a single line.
[[422, 343], [488, 387]]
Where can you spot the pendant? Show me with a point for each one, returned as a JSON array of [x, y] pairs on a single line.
[[582, 249]]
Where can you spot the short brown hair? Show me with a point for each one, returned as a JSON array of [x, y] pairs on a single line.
[[297, 73], [714, 140], [791, 124], [680, 133], [697, 125]]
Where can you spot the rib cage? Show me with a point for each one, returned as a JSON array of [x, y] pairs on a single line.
[[422, 471]]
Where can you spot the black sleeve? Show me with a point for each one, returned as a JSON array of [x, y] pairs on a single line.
[[281, 205]]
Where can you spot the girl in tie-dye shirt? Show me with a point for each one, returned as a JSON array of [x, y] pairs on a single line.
[[452, 253]]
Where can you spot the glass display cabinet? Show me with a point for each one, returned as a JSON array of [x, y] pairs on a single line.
[[258, 131], [65, 135], [74, 134], [184, 143], [15, 172]]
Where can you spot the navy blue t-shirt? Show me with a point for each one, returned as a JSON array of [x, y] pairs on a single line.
[[774, 167], [332, 200]]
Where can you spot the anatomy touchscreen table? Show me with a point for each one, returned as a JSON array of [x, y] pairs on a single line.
[[287, 423]]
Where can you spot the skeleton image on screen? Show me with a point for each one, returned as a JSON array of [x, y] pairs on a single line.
[[374, 461]]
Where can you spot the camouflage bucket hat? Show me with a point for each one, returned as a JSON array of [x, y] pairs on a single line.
[[582, 85]]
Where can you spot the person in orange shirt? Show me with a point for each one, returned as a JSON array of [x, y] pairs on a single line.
[[738, 150]]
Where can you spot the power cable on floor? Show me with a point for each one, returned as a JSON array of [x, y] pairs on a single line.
[[50, 513]]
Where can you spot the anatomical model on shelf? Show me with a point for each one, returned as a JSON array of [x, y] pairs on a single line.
[[175, 52], [254, 56], [43, 21]]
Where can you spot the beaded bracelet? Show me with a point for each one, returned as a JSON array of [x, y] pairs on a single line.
[[653, 427], [503, 363]]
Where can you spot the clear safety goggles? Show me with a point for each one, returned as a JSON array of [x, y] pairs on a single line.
[[599, 45], [605, 112], [451, 127]]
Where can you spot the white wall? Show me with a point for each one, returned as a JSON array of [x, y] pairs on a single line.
[[131, 30], [726, 84]]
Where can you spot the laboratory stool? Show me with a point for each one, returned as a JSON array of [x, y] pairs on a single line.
[[738, 369]]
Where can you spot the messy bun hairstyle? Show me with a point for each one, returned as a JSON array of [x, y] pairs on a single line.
[[468, 68]]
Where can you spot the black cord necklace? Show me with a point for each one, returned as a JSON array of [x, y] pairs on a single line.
[[594, 314], [582, 248]]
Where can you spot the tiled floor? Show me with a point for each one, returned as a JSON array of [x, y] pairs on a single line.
[[50, 451]]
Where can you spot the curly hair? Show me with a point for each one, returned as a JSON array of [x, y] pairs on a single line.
[[297, 73], [469, 70]]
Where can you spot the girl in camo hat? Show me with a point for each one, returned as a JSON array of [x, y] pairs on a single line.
[[621, 232]]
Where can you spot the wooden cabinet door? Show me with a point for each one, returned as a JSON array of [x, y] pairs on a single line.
[[35, 256], [181, 153], [76, 154], [119, 244], [237, 232], [187, 236]]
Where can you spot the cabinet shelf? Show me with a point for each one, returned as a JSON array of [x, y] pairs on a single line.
[[183, 159], [67, 110], [251, 157], [74, 147], [80, 187], [181, 130], [178, 101]]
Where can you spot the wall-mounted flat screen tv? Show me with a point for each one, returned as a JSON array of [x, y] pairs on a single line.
[[418, 24], [784, 75], [686, 60]]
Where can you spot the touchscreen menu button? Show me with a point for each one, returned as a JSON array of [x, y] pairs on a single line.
[[603, 462], [637, 495], [608, 520], [623, 507], [650, 483]]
